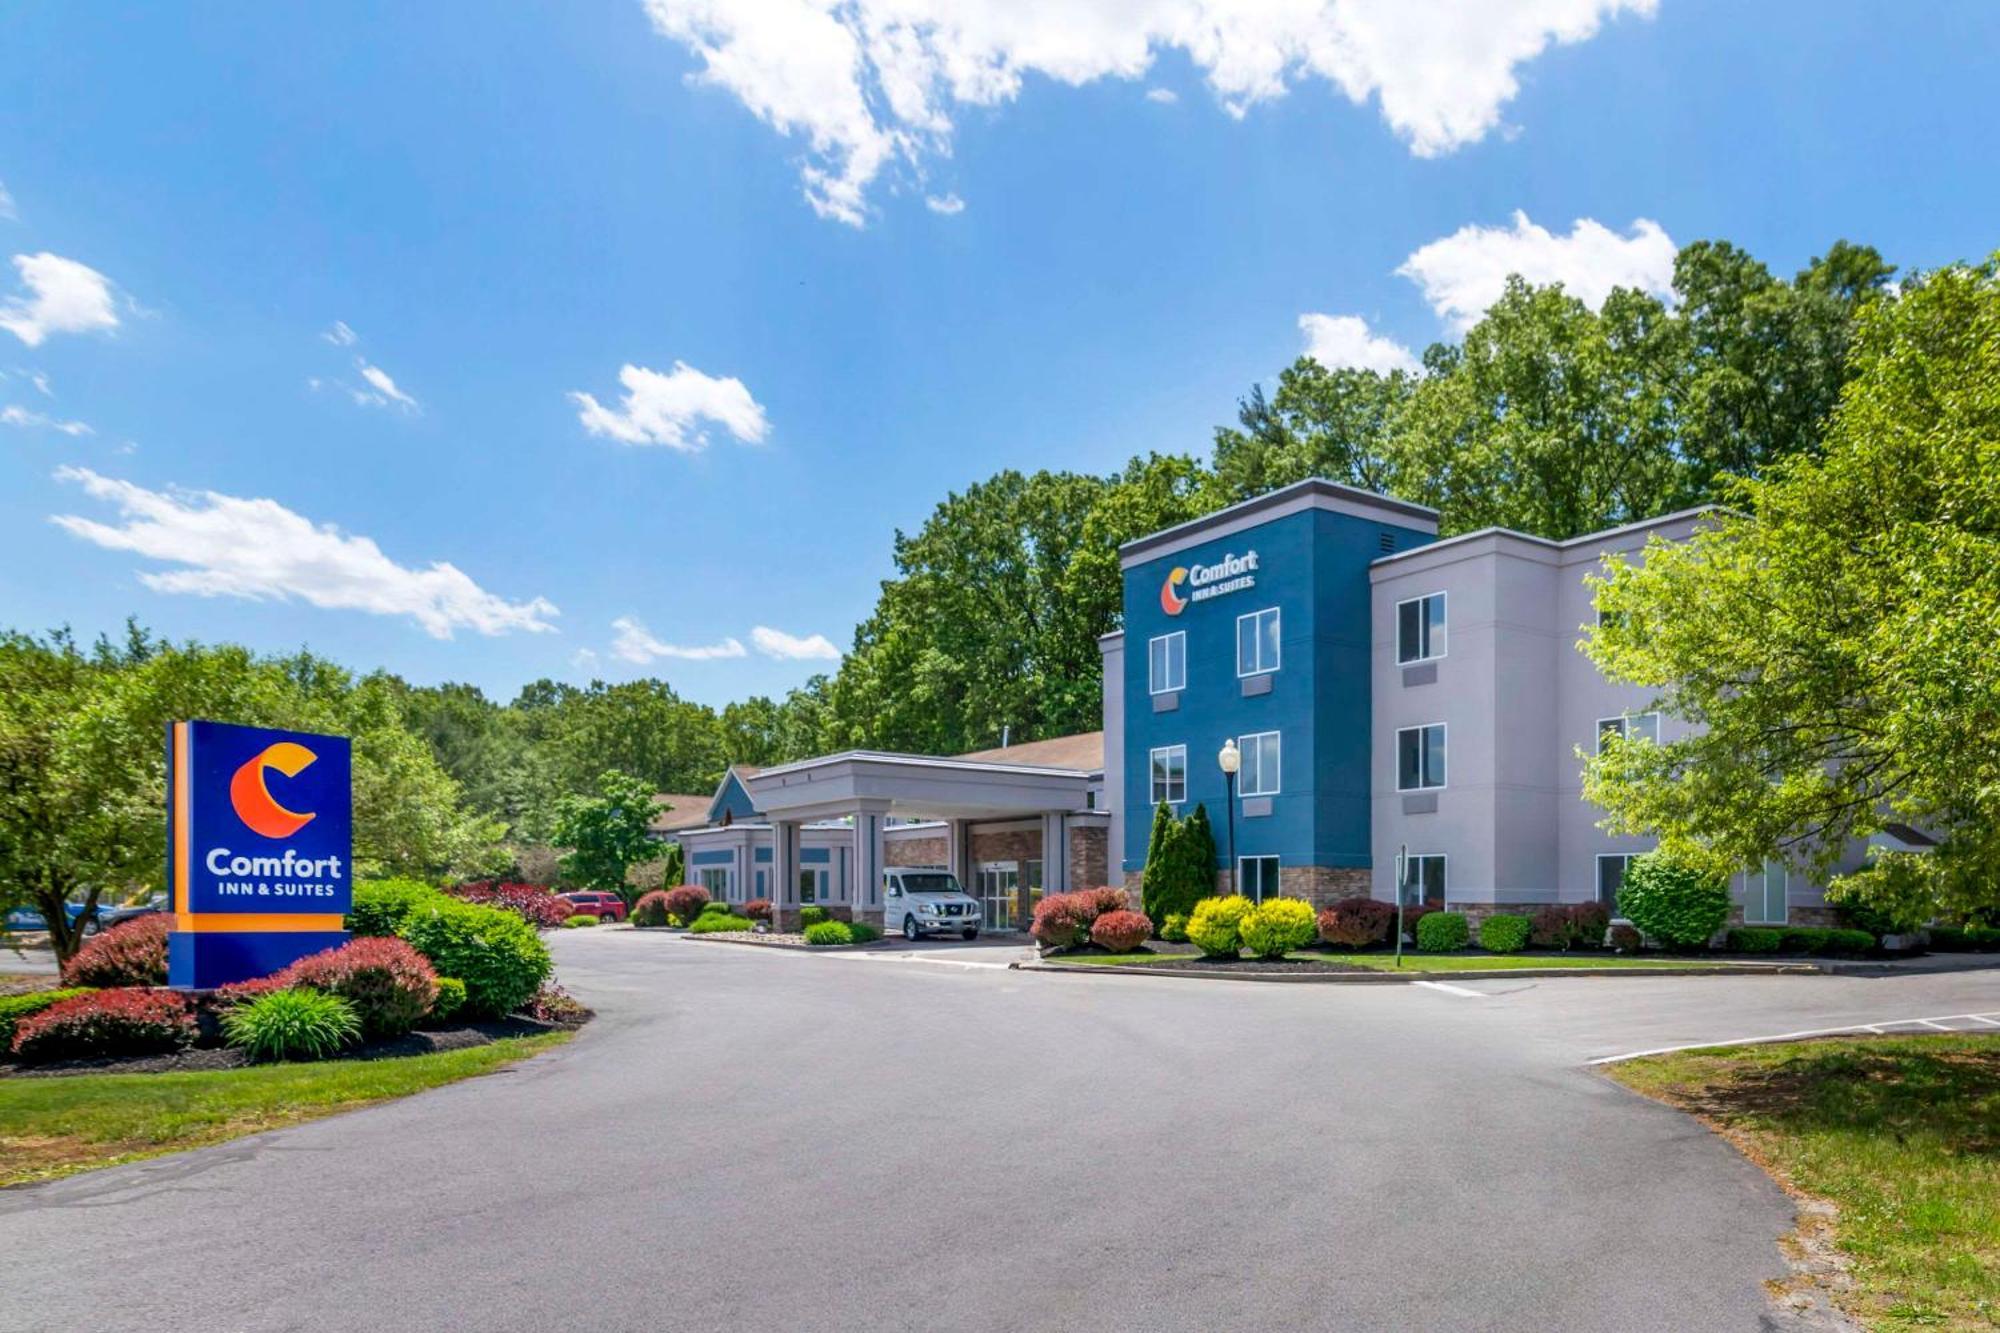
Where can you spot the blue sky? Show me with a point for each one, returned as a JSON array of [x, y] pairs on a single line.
[[301, 299]]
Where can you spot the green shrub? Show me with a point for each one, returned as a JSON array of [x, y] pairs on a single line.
[[14, 1008], [1442, 932], [1175, 929], [863, 933], [1673, 901], [1216, 925], [718, 923], [1755, 939], [498, 956], [450, 999], [1965, 939], [1802, 939], [1848, 942], [1276, 926], [812, 916], [578, 921], [829, 932], [296, 1024], [714, 907], [380, 905], [1504, 933]]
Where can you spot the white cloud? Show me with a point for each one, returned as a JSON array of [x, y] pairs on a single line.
[[258, 549], [791, 648], [867, 83], [1337, 341], [1464, 273], [41, 382], [635, 643], [386, 391], [947, 204], [64, 297], [26, 420], [1164, 96], [340, 335], [584, 659], [664, 409]]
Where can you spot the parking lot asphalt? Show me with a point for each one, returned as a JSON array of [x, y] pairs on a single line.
[[753, 1138]]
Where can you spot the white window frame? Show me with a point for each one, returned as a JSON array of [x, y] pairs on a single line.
[[1153, 785], [1153, 685], [1423, 629], [724, 885], [1243, 787], [1622, 724], [1410, 861], [1784, 894], [1597, 883], [1277, 867], [1444, 745], [1277, 643]]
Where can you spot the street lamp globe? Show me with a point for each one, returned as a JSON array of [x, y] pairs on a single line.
[[1229, 757]]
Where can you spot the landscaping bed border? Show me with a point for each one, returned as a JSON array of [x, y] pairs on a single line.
[[1404, 975]]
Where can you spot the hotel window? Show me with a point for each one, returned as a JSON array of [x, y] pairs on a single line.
[[1420, 628], [1167, 663], [1170, 774], [1257, 643], [1257, 877], [1611, 867], [1420, 757], [1638, 726], [1423, 879], [1259, 771], [1764, 895]]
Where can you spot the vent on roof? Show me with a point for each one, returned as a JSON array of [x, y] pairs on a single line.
[[1388, 540]]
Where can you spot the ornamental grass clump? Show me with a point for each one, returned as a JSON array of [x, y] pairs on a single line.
[[299, 1023], [821, 933], [1121, 932], [812, 916], [1276, 926], [1214, 928], [133, 953], [390, 984], [723, 923], [580, 920], [106, 1023]]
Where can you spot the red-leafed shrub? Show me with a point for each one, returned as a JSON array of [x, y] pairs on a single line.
[[1357, 922], [1104, 900], [758, 909], [1626, 939], [1588, 922], [1063, 919], [1551, 928], [132, 1021], [686, 902], [651, 909], [1414, 913], [239, 992], [533, 903], [390, 985], [1121, 931], [131, 954]]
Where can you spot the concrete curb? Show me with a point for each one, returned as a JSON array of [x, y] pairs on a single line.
[[1408, 975]]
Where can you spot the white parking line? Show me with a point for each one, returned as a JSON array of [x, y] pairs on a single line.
[[1990, 1019], [1453, 990]]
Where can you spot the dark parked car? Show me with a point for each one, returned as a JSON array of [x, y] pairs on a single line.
[[606, 907], [26, 920]]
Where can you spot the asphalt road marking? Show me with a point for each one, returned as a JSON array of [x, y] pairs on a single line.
[[1940, 1022], [1453, 990]]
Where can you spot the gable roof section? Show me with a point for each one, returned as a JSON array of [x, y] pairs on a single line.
[[731, 798], [1084, 751], [677, 812]]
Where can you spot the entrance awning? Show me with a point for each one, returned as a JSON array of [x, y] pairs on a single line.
[[914, 787]]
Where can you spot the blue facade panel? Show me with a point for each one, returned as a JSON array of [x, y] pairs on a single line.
[[1310, 565]]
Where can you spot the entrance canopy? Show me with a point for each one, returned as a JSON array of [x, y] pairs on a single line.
[[909, 786]]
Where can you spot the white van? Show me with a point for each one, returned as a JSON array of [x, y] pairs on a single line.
[[927, 902]]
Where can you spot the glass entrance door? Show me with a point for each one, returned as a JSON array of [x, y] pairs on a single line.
[[999, 886]]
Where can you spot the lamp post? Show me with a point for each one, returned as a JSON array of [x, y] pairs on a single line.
[[1229, 759]]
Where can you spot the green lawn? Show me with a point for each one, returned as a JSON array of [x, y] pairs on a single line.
[[1424, 962], [1900, 1134], [60, 1125]]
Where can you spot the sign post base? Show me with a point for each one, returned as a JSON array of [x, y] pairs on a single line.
[[206, 959]]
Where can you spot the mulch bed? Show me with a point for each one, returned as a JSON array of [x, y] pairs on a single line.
[[205, 1059]]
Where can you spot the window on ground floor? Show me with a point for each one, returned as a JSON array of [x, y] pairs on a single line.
[[1637, 726], [1257, 877], [1611, 867], [716, 880], [1764, 895], [1423, 878]]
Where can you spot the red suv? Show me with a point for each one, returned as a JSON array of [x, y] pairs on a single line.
[[606, 907]]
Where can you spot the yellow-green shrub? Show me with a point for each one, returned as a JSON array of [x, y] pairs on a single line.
[[1214, 927], [1277, 926]]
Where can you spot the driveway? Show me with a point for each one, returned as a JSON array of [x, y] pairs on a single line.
[[754, 1138]]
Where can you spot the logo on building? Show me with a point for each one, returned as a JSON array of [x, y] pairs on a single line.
[[1232, 573], [251, 798]]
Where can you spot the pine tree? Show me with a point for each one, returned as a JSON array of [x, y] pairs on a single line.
[[1160, 857], [1197, 848]]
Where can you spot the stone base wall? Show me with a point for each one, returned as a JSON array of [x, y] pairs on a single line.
[[1323, 885], [1821, 915], [1088, 850], [1089, 856], [929, 850]]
